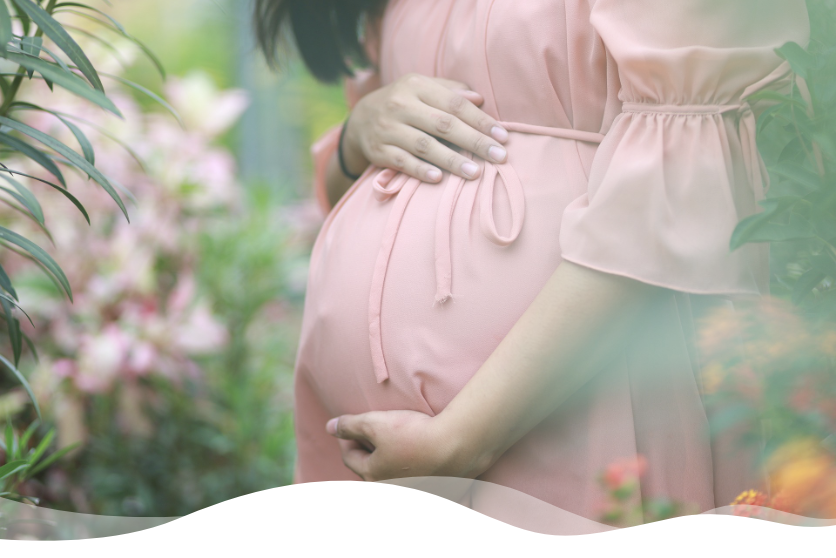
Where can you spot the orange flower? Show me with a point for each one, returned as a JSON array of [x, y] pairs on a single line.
[[804, 475], [749, 503]]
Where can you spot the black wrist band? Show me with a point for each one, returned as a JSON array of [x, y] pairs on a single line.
[[341, 157]]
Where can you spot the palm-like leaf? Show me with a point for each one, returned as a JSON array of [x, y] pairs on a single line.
[[61, 62]]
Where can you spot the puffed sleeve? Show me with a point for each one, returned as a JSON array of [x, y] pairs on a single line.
[[679, 167]]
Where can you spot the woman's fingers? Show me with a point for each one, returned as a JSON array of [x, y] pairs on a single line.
[[351, 427], [415, 126], [463, 110], [355, 457], [451, 129], [461, 89], [431, 150], [471, 96], [400, 159]]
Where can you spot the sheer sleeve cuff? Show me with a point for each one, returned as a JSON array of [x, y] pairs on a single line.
[[667, 189]]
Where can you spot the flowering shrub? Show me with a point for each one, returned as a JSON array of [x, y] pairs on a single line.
[[624, 506], [771, 375], [797, 137], [152, 363], [37, 48], [137, 311]]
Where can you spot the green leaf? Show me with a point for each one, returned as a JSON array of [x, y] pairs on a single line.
[[35, 154], [30, 431], [53, 458], [68, 81], [826, 143], [63, 191], [24, 19], [147, 92], [71, 155], [57, 59], [31, 347], [13, 325], [62, 39], [6, 283], [769, 95], [762, 228], [83, 142], [12, 468], [108, 135], [5, 26], [116, 27], [39, 254], [747, 228], [825, 264], [32, 46], [9, 446], [17, 305], [40, 450], [799, 59], [805, 285], [798, 228], [99, 40], [767, 117], [24, 196]]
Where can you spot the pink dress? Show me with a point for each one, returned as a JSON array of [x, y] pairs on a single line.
[[632, 152]]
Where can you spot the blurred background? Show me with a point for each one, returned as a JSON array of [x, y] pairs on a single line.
[[172, 368]]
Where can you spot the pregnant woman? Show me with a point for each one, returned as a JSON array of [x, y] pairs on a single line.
[[509, 290]]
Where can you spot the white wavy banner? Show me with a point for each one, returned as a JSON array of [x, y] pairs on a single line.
[[383, 519]]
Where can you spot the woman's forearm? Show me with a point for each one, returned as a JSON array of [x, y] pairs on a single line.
[[548, 355]]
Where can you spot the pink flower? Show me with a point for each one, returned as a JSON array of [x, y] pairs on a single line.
[[618, 473], [142, 358], [64, 368], [202, 106], [201, 333], [101, 359]]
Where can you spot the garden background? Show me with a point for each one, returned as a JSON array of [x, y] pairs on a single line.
[[172, 367]]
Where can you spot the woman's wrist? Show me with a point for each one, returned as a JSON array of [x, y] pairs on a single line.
[[350, 156], [466, 450]]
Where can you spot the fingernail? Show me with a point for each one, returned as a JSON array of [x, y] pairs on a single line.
[[433, 175], [470, 169], [497, 154], [499, 134], [331, 427]]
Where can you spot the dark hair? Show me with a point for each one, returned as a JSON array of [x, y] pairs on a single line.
[[326, 32]]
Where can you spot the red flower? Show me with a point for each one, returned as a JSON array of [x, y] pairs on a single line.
[[625, 470]]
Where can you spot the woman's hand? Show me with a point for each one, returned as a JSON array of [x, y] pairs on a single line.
[[395, 444], [399, 127]]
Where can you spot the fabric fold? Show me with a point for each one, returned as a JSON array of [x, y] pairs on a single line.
[[680, 167]]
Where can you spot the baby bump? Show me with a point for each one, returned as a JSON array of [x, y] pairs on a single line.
[[413, 285]]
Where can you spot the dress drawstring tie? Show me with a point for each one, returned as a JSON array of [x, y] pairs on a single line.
[[389, 183]]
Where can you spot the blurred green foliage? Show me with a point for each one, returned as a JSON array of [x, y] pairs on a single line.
[[797, 138]]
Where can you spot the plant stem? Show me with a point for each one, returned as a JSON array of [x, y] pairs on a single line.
[[21, 71], [13, 90]]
